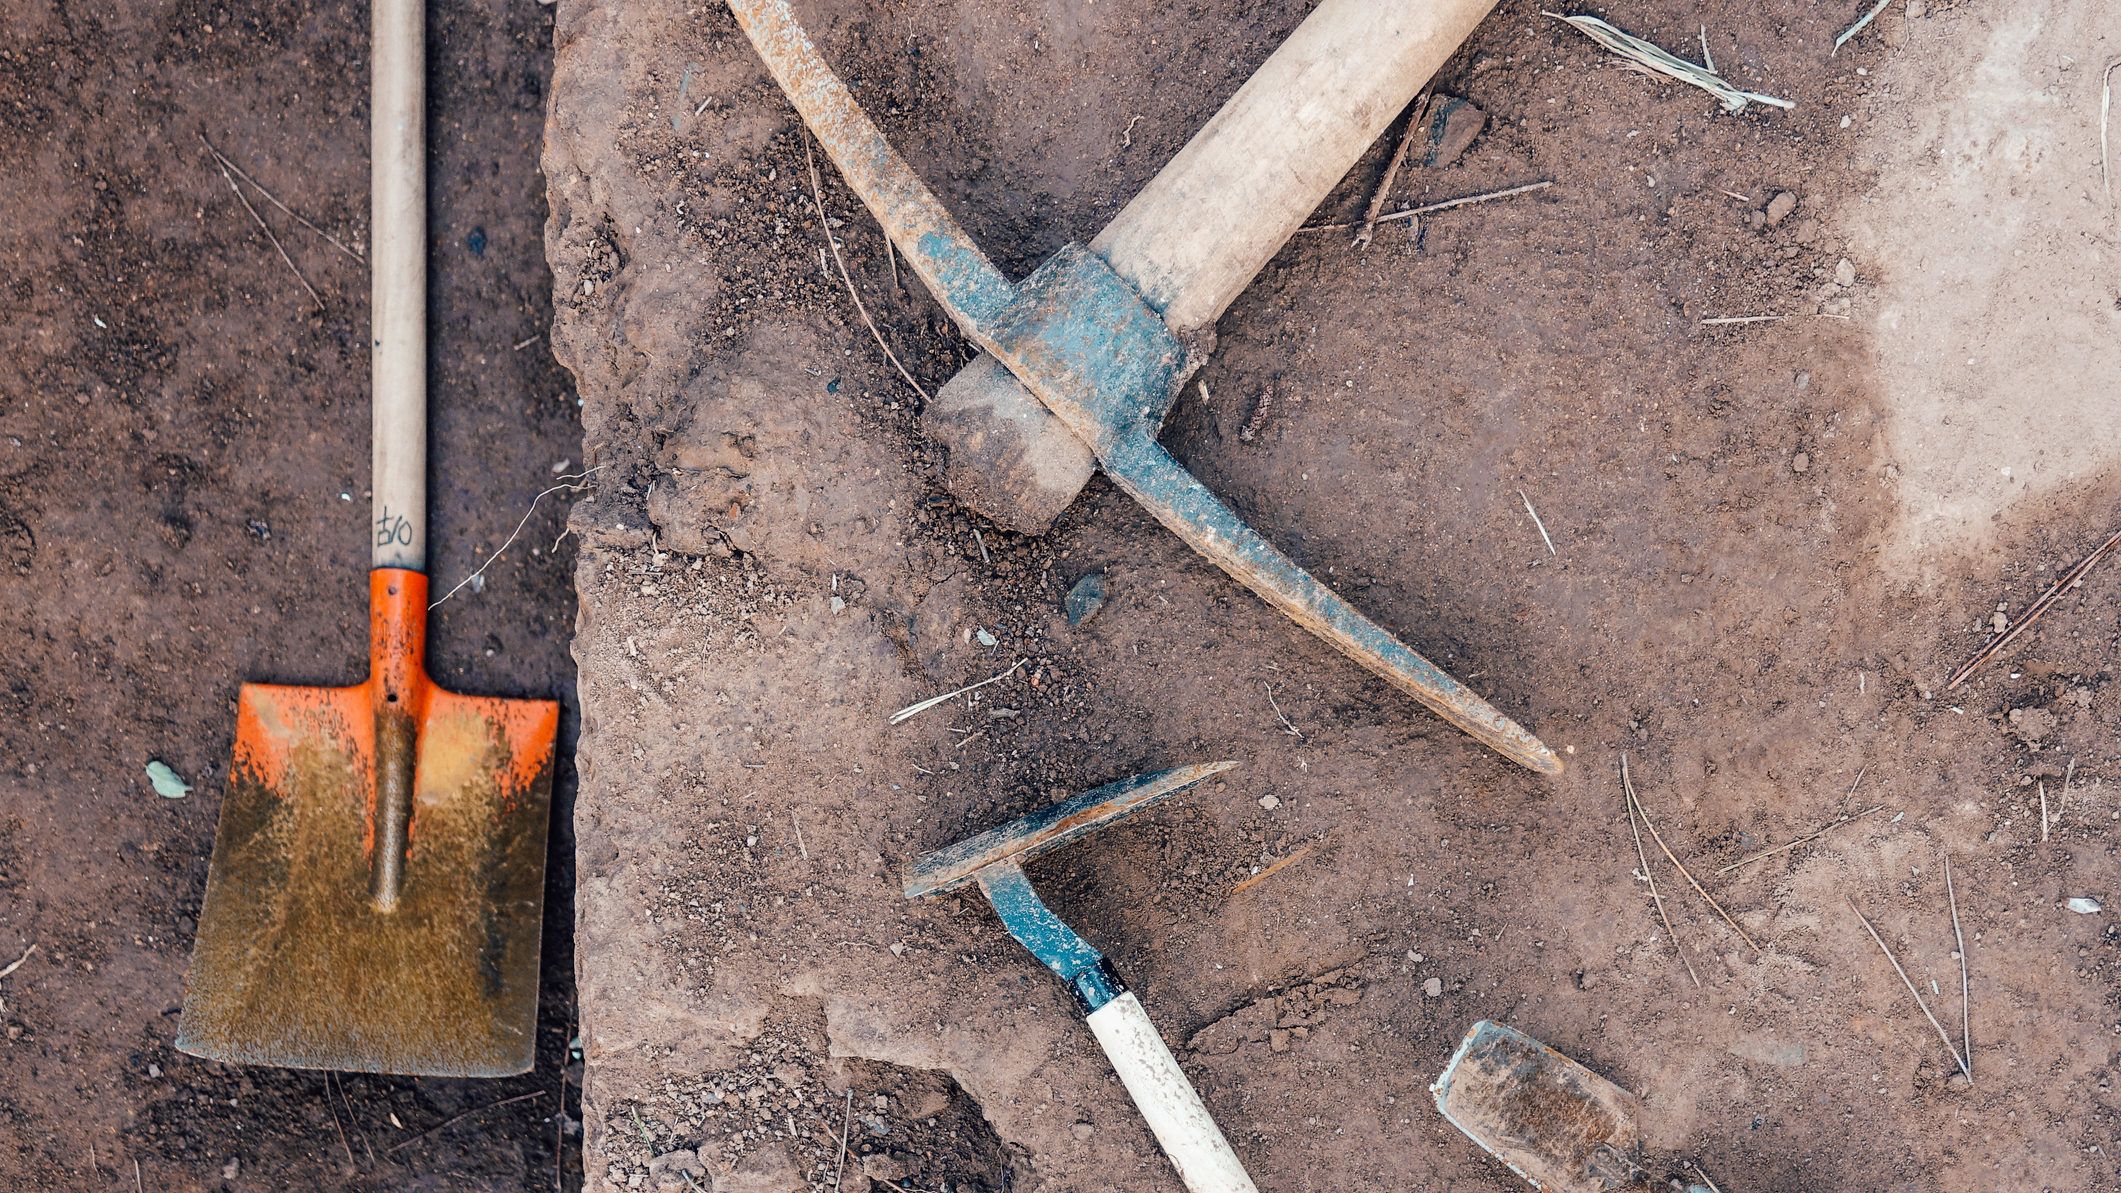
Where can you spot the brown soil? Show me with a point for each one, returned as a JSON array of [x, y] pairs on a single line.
[[771, 566], [178, 425]]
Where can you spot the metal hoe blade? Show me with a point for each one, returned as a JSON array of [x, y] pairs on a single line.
[[377, 886], [1028, 836], [1090, 348]]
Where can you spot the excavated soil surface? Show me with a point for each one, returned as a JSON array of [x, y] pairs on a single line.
[[1765, 560]]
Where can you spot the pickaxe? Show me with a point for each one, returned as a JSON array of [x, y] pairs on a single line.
[[995, 861], [1094, 347]]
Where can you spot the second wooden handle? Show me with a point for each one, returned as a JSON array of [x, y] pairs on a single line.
[[1194, 238]]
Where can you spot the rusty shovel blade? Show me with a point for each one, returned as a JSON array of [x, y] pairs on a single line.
[[377, 885]]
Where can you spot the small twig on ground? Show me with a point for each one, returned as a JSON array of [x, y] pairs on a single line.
[[229, 164], [1644, 858], [1707, 59], [1286, 727], [1743, 862], [1447, 204], [333, 1106], [982, 544], [2033, 611], [2106, 103], [1860, 24], [367, 1149], [799, 843], [572, 480], [2062, 801], [453, 1120], [1275, 868], [1544, 536], [1417, 123], [1654, 59], [1910, 984], [1681, 866], [1699, 1175], [1966, 997], [16, 964], [519, 345], [1733, 320], [2043, 809], [259, 220], [913, 710], [138, 1185], [839, 1170], [817, 202]]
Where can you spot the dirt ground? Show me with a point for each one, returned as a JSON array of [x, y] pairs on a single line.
[[1767, 555], [183, 506]]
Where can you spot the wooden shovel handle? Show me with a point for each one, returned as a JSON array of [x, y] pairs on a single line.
[[398, 282]]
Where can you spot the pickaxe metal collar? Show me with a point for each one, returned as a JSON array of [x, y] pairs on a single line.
[[1096, 354]]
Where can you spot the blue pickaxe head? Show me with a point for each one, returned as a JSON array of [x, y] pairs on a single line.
[[994, 859]]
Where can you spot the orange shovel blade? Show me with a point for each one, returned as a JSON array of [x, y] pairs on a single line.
[[337, 934]]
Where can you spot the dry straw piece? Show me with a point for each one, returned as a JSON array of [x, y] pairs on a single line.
[[1653, 59]]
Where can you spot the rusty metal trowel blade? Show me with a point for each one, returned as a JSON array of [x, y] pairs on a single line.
[[1554, 1122], [301, 959]]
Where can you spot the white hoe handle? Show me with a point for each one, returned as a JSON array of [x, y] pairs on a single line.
[[397, 305], [1166, 1099]]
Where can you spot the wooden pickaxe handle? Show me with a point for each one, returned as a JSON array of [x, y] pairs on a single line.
[[1195, 237]]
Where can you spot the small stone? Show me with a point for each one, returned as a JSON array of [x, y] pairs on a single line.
[[839, 604], [1957, 1082], [1845, 272], [230, 1169], [166, 781], [2083, 906], [1082, 1130], [2000, 623], [1085, 599], [1433, 987], [1452, 129], [1780, 207], [154, 1070], [1270, 801], [1416, 958], [985, 638], [1801, 462]]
